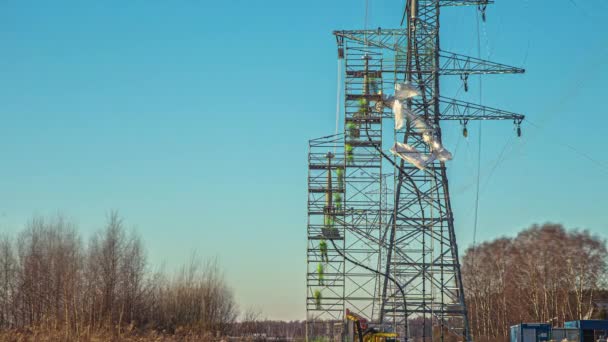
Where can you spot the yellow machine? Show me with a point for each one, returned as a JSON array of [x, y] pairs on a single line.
[[380, 337], [362, 333]]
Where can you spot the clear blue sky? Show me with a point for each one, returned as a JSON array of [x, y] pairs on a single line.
[[192, 118]]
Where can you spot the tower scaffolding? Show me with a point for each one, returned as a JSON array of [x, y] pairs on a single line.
[[393, 256]]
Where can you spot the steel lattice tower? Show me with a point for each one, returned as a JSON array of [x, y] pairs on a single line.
[[391, 252]]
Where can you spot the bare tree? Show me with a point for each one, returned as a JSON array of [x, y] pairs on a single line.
[[50, 282], [544, 274], [8, 273]]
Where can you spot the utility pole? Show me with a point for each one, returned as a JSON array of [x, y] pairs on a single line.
[[407, 245]]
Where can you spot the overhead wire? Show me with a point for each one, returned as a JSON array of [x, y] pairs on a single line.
[[387, 276], [527, 10], [366, 14], [602, 165], [579, 8], [568, 94], [497, 162], [504, 153], [486, 170], [338, 93], [476, 218]]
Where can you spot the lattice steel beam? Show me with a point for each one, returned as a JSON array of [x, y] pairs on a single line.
[[453, 109], [465, 2], [457, 64], [450, 63]]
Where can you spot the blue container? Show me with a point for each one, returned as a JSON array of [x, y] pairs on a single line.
[[590, 330], [530, 332]]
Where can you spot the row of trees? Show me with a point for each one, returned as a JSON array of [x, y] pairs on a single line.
[[50, 279], [544, 274], [252, 327]]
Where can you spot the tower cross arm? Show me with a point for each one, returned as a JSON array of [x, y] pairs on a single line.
[[457, 64], [452, 109], [391, 39], [449, 64], [465, 2]]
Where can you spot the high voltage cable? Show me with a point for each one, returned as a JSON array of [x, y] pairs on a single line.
[[338, 97], [479, 144], [602, 165]]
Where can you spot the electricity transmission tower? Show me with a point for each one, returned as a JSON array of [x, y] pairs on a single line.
[[387, 249]]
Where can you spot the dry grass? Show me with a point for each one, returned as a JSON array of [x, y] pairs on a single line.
[[35, 335]]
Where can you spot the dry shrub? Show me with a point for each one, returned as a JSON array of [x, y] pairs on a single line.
[[55, 288]]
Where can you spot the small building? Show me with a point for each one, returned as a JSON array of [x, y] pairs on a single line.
[[592, 330], [530, 332]]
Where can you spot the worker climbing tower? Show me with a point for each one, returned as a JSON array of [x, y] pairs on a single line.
[[381, 238]]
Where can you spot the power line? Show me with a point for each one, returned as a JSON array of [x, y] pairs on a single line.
[[478, 141], [602, 165]]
